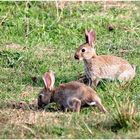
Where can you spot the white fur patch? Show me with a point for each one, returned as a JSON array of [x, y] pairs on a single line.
[[126, 75], [42, 95], [92, 103]]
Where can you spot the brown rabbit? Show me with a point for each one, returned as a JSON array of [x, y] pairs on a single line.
[[71, 95], [99, 67]]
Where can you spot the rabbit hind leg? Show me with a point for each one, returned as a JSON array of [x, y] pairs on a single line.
[[75, 104], [97, 103], [96, 82]]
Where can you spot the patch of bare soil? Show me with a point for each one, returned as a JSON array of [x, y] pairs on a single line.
[[12, 46], [118, 4], [40, 51]]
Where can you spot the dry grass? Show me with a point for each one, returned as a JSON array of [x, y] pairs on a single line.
[[20, 116], [41, 51], [12, 47]]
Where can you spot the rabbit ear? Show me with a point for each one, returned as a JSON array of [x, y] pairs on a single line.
[[49, 80], [90, 37]]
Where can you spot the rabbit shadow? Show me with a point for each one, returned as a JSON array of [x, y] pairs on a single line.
[[22, 105], [104, 82]]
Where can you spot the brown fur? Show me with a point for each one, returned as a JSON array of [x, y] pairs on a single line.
[[71, 95]]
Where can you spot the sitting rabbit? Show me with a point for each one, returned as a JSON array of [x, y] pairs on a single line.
[[99, 67], [71, 95]]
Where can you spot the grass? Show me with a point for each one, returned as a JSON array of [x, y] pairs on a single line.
[[38, 36]]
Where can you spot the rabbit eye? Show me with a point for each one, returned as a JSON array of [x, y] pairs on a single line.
[[83, 50]]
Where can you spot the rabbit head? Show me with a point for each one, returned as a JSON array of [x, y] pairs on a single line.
[[45, 95], [87, 50]]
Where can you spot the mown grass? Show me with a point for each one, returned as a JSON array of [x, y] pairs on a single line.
[[38, 36]]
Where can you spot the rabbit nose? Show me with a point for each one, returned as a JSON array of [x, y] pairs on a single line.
[[76, 56]]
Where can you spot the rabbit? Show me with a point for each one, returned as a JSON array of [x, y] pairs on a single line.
[[98, 67], [70, 95]]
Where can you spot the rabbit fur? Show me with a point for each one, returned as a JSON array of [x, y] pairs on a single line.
[[70, 95], [98, 67]]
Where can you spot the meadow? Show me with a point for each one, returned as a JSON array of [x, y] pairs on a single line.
[[38, 36]]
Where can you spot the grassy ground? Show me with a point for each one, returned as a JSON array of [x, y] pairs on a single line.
[[38, 36]]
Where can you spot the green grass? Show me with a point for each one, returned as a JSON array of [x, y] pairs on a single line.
[[36, 37]]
